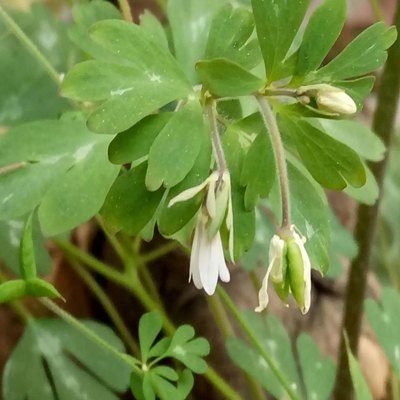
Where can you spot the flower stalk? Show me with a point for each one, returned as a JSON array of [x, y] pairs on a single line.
[[272, 126]]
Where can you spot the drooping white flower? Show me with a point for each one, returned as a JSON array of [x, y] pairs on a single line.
[[207, 261], [330, 98], [290, 271]]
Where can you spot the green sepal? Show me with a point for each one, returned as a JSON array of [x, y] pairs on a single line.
[[296, 271], [41, 288], [12, 290], [282, 290]]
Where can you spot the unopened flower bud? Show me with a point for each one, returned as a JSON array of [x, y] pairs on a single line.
[[290, 271], [330, 99]]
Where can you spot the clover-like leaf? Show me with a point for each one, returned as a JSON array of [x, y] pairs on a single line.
[[320, 34], [229, 37], [243, 220], [134, 144], [64, 364], [84, 15], [364, 54], [128, 195], [150, 325], [62, 166], [258, 174], [153, 26], [21, 102], [277, 24], [274, 338], [367, 194], [318, 373], [190, 22], [331, 163], [226, 78], [175, 150], [385, 323], [188, 350]]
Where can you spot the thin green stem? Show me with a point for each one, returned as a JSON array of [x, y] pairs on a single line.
[[255, 281], [221, 385], [272, 126], [29, 45], [215, 138], [17, 305], [162, 4], [107, 305], [219, 314], [367, 218], [125, 10], [236, 313], [161, 251], [82, 328], [220, 317], [394, 386], [376, 8]]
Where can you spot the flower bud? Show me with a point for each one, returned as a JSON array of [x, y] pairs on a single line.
[[329, 98]]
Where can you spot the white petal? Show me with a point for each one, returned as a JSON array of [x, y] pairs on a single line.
[[222, 267], [276, 252], [229, 224], [208, 264], [188, 193], [195, 255], [263, 297], [307, 272]]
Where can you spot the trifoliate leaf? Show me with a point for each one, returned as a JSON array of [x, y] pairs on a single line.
[[150, 325]]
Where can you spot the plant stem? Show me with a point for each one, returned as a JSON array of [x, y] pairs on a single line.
[[161, 251], [29, 45], [376, 8], [125, 10], [162, 4], [219, 314], [367, 217], [215, 138], [81, 327], [272, 126], [255, 281], [107, 304], [236, 313]]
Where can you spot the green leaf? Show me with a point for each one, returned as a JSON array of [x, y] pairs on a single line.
[[229, 37], [173, 219], [359, 383], [230, 110], [63, 165], [150, 326], [265, 230], [357, 89], [153, 26], [331, 163], [136, 385], [185, 383], [10, 239], [357, 136], [128, 195], [258, 173], [318, 373], [27, 91], [226, 78], [367, 194], [76, 366], [308, 212], [26, 253], [190, 22], [160, 348], [134, 144], [12, 290], [86, 14], [165, 372], [188, 350], [273, 338], [148, 390], [174, 151], [385, 323], [320, 35], [164, 389], [41, 288], [277, 24], [243, 220], [364, 54]]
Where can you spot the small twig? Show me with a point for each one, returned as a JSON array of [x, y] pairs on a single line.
[[367, 218], [125, 10]]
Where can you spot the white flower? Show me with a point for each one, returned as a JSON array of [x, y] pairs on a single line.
[[290, 271], [330, 98], [207, 261]]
